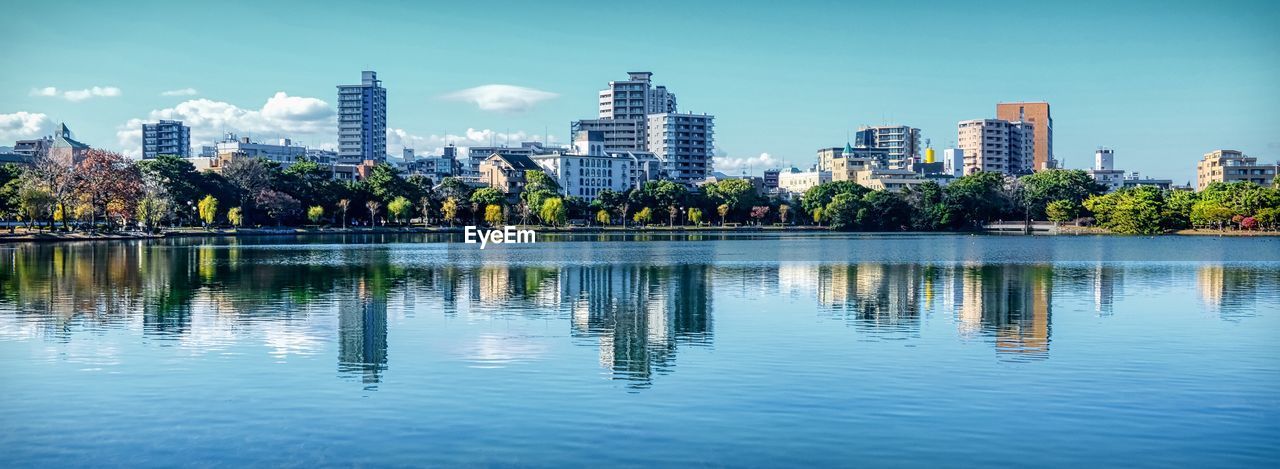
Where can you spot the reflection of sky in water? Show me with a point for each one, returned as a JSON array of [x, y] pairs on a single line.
[[738, 343]]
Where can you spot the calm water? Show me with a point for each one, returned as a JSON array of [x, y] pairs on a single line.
[[766, 351]]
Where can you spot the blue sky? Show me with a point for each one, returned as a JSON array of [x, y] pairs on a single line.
[[1160, 82]]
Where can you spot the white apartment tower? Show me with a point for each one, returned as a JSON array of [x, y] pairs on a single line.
[[683, 143], [996, 145], [635, 98]]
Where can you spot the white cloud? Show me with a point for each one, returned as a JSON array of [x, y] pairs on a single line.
[[95, 92], [180, 92], [46, 91], [23, 125], [754, 164], [399, 139], [501, 98], [305, 120]]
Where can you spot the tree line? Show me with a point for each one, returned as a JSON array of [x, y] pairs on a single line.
[[106, 191]]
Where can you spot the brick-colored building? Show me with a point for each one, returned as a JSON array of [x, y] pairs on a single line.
[[1038, 115]]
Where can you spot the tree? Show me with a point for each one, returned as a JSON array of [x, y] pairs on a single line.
[[817, 215], [315, 213], [1129, 211], [1044, 187], [386, 183], [424, 207], [695, 216], [487, 196], [884, 211], [731, 192], [449, 210], [179, 181], [373, 206], [644, 216], [820, 195], [723, 211], [1210, 213], [553, 211], [343, 205], [759, 212], [842, 212], [278, 205], [56, 177], [235, 217], [978, 197], [1061, 211], [493, 214], [399, 208], [538, 187], [602, 217], [452, 187], [151, 210], [249, 177], [35, 203], [208, 209], [783, 210]]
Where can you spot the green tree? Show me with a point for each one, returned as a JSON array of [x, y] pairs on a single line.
[[208, 210], [1043, 187], [820, 195], [386, 183], [978, 198], [1129, 211], [399, 208], [553, 211], [1062, 211], [736, 193], [485, 196], [841, 213], [151, 210], [883, 210], [695, 216], [1211, 213]]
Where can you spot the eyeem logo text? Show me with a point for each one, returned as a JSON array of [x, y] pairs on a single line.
[[508, 234]]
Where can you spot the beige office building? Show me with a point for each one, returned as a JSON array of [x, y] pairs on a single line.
[[1231, 166]]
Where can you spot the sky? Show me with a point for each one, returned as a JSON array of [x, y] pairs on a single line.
[[1161, 83]]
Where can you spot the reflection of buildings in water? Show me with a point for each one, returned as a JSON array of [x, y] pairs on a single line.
[[1013, 302], [638, 314], [362, 332], [1232, 292], [874, 295], [1107, 283]]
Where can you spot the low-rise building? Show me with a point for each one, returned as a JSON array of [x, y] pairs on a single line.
[[1231, 166], [827, 156], [887, 179], [506, 172], [1104, 172], [798, 182], [588, 170], [283, 152], [1135, 180], [65, 148]]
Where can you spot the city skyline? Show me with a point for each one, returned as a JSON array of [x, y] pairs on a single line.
[[1139, 80]]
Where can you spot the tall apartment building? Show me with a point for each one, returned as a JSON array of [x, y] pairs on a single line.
[[635, 98], [683, 143], [996, 145], [1037, 114], [902, 143], [166, 138], [619, 135], [362, 120], [1231, 166]]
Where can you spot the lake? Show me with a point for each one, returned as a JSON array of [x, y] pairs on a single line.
[[639, 350]]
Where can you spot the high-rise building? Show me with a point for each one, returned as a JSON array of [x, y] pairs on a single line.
[[683, 143], [1232, 166], [166, 138], [635, 98], [1037, 114], [902, 143], [620, 135], [362, 120], [996, 145]]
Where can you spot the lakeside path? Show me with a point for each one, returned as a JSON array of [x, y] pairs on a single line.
[[44, 236]]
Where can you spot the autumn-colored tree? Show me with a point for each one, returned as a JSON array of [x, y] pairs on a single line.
[[151, 209], [723, 210], [783, 211], [644, 216], [106, 177], [278, 205], [602, 217], [449, 210], [695, 216], [235, 216], [208, 209], [315, 213], [553, 211], [493, 214], [399, 208], [759, 212], [57, 178], [424, 207]]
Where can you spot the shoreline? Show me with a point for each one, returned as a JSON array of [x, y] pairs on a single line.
[[50, 237]]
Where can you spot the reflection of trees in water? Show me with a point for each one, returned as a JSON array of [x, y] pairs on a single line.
[[1232, 292], [1012, 303]]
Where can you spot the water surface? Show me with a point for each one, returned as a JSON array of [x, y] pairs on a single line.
[[902, 350]]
